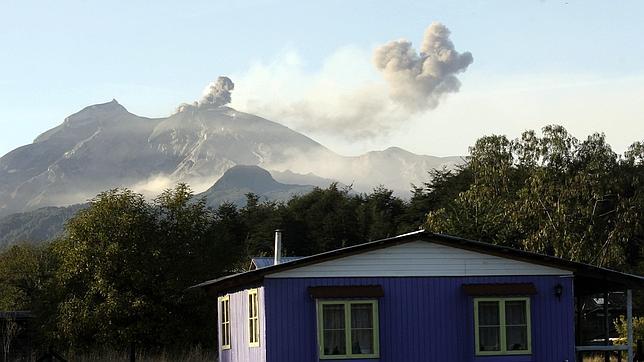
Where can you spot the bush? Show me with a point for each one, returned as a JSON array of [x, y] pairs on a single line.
[[638, 329]]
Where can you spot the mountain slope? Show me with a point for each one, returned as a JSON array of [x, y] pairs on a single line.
[[35, 226], [290, 177], [100, 147], [241, 180]]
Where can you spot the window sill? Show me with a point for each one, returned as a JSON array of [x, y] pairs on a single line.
[[495, 354], [352, 358], [505, 358]]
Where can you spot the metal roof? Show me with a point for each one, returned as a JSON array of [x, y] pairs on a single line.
[[263, 262], [588, 278], [15, 314]]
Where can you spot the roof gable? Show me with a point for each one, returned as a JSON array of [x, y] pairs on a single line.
[[419, 258]]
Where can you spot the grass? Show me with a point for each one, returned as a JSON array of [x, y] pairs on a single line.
[[196, 354]]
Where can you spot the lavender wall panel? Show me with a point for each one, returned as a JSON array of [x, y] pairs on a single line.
[[421, 319], [239, 331]]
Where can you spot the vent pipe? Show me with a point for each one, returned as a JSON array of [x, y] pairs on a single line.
[[278, 247]]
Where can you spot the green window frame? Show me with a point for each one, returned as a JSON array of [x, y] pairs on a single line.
[[253, 318], [349, 327], [503, 326], [224, 320]]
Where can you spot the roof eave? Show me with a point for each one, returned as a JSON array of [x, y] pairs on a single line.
[[578, 269]]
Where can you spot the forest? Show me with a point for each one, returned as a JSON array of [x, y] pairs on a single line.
[[119, 274]]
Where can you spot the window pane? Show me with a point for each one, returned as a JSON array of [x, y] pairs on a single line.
[[252, 304], [517, 338], [334, 342], [333, 328], [256, 330], [489, 339], [515, 312], [361, 316], [333, 316], [255, 305], [488, 313], [362, 341]]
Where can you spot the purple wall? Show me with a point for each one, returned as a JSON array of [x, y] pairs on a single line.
[[421, 319], [239, 330]]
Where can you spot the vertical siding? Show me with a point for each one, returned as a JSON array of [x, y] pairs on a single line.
[[421, 319], [239, 330]]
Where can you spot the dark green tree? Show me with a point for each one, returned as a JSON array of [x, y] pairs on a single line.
[[125, 265], [551, 194]]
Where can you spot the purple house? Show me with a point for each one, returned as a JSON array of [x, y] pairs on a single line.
[[415, 297]]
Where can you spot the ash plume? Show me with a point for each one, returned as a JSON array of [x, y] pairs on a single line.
[[417, 81], [216, 94], [357, 94]]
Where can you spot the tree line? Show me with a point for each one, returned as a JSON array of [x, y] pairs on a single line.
[[119, 273]]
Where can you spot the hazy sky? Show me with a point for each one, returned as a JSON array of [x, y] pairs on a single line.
[[575, 63]]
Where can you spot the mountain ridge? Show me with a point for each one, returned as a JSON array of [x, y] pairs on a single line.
[[104, 146]]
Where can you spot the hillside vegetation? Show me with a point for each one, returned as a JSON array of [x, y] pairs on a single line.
[[120, 272]]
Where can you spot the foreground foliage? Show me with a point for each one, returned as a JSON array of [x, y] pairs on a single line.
[[119, 274]]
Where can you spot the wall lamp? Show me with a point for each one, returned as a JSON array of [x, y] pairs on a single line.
[[558, 291]]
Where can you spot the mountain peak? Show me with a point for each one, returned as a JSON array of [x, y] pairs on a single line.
[[112, 105], [247, 177], [97, 112], [240, 180], [108, 109], [395, 149], [390, 151]]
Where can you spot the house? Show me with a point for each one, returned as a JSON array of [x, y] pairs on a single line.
[[416, 297]]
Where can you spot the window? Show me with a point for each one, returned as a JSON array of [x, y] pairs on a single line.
[[502, 326], [224, 321], [348, 329], [253, 318]]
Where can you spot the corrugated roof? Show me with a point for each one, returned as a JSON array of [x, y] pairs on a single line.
[[263, 262], [587, 276], [15, 314]]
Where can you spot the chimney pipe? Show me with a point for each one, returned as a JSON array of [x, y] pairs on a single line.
[[278, 247]]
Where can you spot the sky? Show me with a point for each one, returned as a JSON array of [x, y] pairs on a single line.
[[311, 65]]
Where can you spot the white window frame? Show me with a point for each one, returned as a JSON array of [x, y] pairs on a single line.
[[253, 318], [224, 321]]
